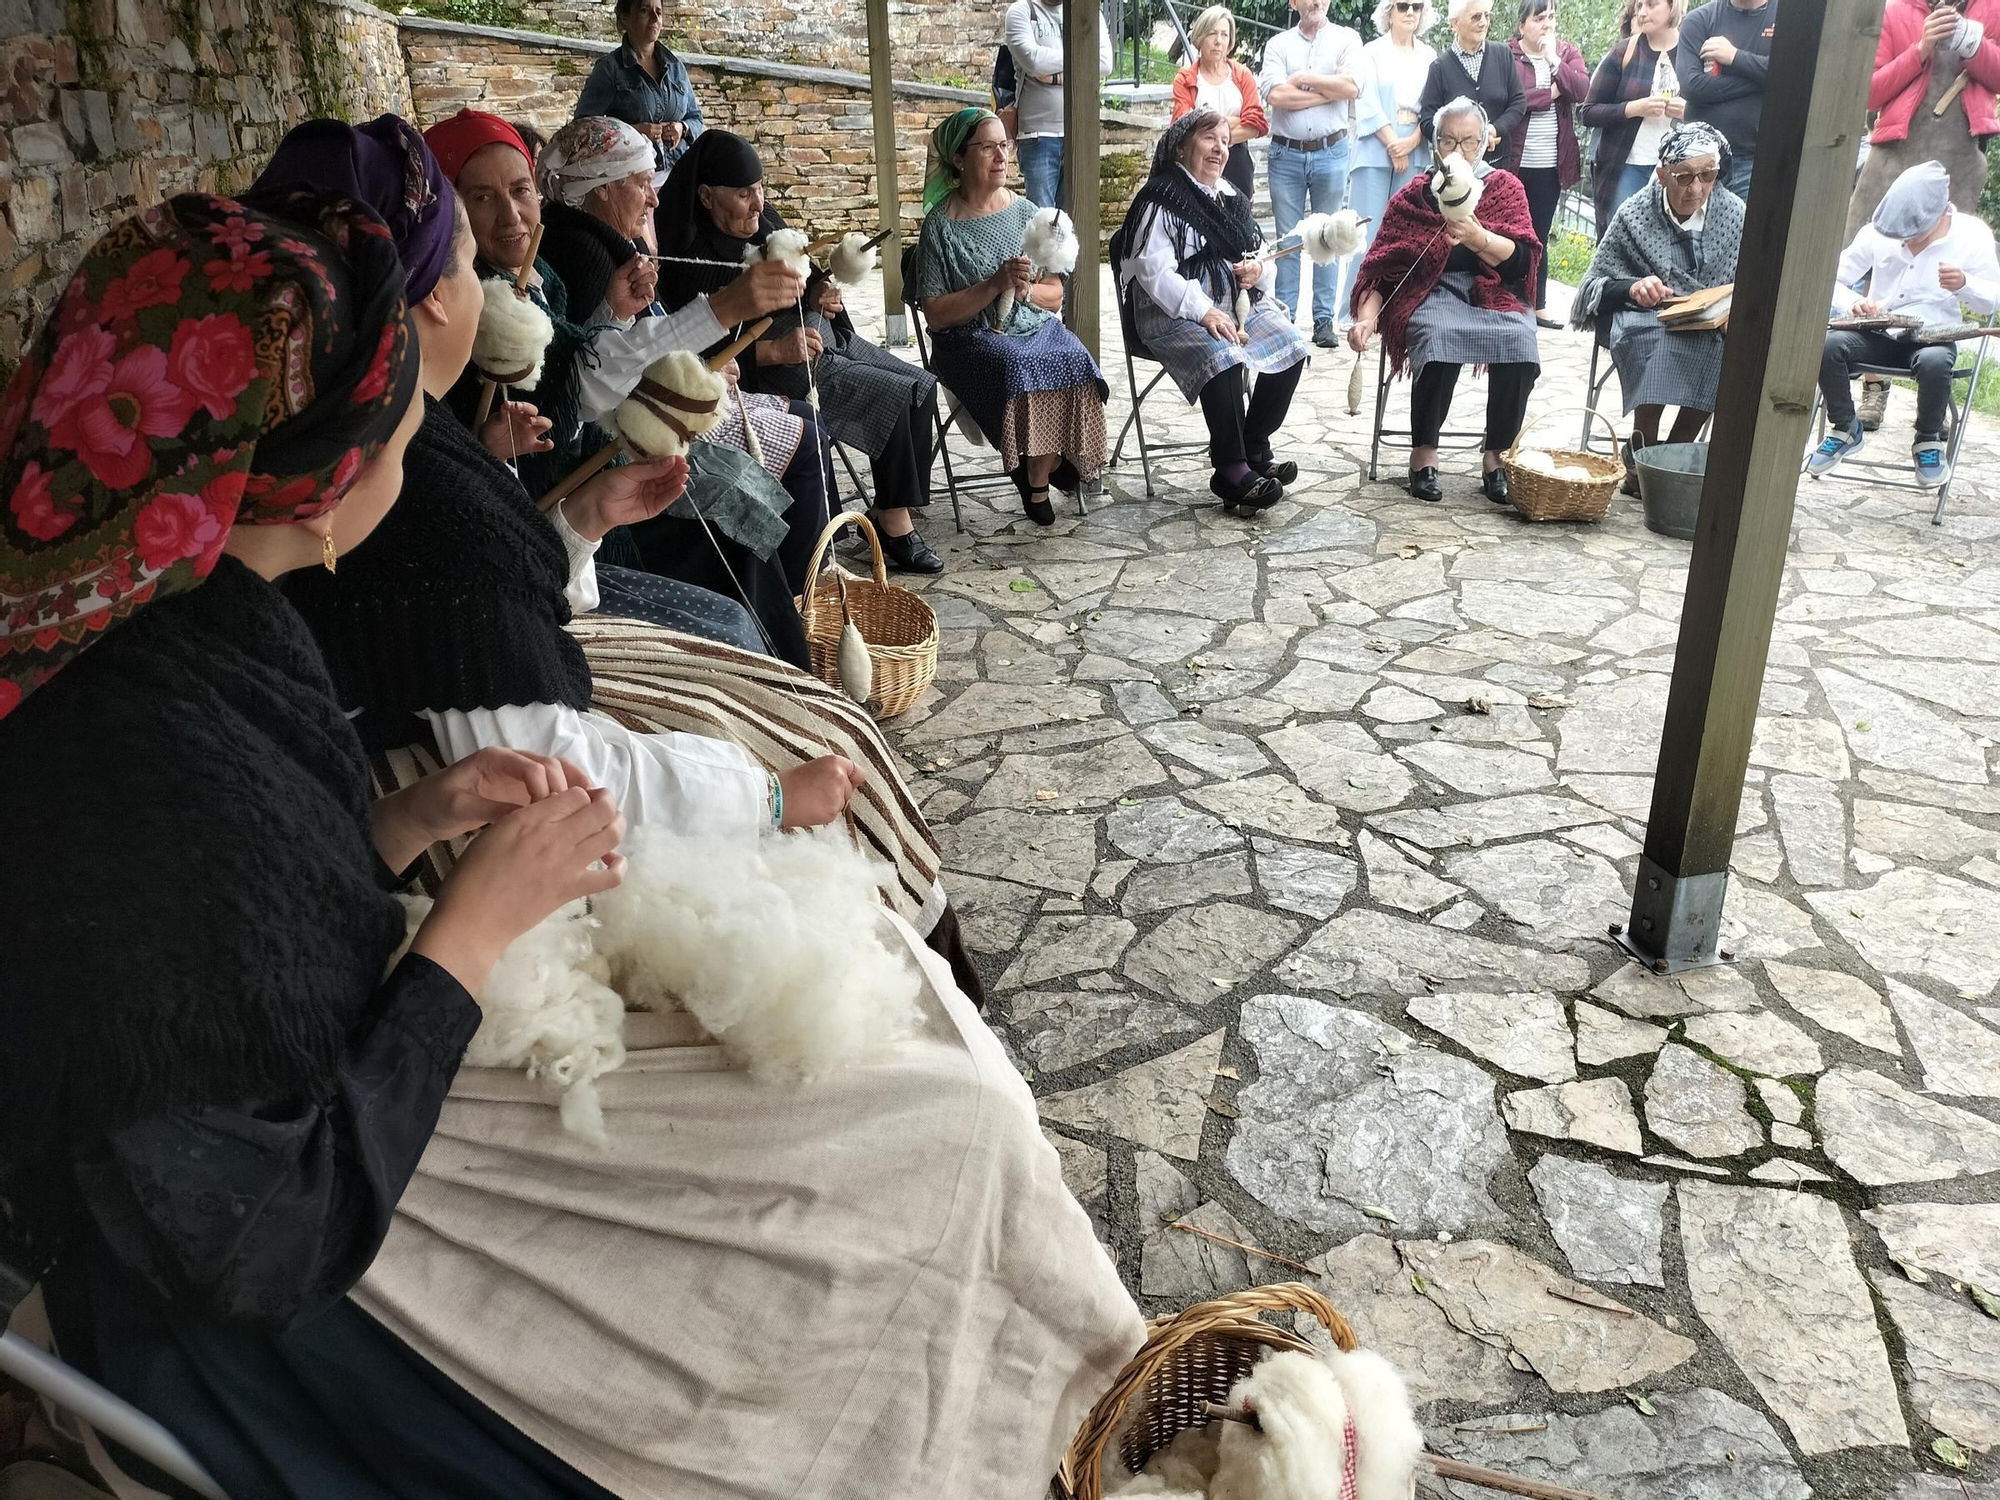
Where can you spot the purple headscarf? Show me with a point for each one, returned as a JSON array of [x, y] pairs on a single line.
[[385, 166]]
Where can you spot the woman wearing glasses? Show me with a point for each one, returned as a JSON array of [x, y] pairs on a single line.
[[1634, 100], [1447, 293], [1477, 68], [1389, 146], [1679, 236]]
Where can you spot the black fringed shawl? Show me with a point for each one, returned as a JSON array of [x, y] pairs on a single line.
[[1211, 231]]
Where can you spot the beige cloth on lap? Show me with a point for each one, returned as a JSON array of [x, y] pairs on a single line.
[[870, 1288]]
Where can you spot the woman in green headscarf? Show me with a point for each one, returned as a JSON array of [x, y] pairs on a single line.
[[1031, 386]]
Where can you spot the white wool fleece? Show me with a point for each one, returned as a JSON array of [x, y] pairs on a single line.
[[513, 335], [1300, 1452]]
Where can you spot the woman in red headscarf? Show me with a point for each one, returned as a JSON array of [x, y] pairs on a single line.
[[216, 1084]]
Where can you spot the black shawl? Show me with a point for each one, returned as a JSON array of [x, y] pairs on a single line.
[[584, 252], [1211, 232], [196, 915], [456, 600]]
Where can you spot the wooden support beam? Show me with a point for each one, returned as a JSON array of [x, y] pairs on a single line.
[[1081, 103], [882, 91], [1821, 57]]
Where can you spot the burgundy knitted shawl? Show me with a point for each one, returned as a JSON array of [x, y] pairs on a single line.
[[1410, 244]]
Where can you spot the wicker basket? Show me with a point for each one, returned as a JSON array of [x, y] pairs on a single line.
[[1543, 497], [1187, 1361], [900, 629]]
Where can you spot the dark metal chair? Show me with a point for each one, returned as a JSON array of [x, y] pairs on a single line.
[[1448, 440], [1135, 349]]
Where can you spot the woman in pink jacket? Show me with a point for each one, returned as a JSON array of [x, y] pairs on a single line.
[[1920, 58]]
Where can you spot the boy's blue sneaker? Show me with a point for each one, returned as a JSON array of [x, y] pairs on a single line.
[[1929, 458], [1836, 445]]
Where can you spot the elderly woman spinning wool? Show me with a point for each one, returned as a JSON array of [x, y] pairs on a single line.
[[1188, 262], [599, 190], [1026, 380], [1449, 282], [1680, 234], [713, 210]]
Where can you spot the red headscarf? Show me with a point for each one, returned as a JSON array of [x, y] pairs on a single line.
[[1407, 258], [453, 141], [207, 366]]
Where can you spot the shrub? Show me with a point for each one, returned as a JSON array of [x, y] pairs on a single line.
[[503, 13], [1569, 256]]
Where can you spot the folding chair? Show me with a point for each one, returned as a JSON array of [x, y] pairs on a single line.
[[1595, 382], [951, 414], [1965, 371], [1458, 441], [24, 1258], [1135, 349]]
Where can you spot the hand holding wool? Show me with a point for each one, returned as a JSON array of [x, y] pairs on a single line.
[[512, 337], [818, 792]]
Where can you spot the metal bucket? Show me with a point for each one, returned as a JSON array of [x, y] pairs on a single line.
[[1670, 480]]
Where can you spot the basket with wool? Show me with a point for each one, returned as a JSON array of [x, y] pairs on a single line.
[[1563, 484], [898, 629]]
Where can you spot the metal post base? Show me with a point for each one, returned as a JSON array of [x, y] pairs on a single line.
[[1676, 920]]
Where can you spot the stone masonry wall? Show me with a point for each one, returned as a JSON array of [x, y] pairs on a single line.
[[935, 43], [813, 126], [108, 106]]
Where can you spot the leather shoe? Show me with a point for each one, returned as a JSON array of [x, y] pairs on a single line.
[[909, 553], [1424, 484], [1039, 511], [1285, 471], [1260, 493], [1543, 320], [1494, 483]]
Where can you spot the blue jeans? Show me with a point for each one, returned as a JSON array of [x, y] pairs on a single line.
[[1041, 169], [1738, 180], [1297, 176], [1631, 180], [1369, 190]]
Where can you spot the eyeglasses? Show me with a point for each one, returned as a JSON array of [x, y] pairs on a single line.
[[991, 148], [1410, 7], [1689, 179], [1447, 144]]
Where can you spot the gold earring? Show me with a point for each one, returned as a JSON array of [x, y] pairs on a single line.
[[329, 554]]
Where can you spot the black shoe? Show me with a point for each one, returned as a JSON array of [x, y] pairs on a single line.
[[1285, 472], [1260, 492], [1628, 453], [909, 553], [1494, 483], [1039, 511], [1424, 484], [1064, 477], [1543, 320], [1327, 334]]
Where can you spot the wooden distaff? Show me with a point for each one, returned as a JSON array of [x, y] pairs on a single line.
[[520, 290], [567, 485]]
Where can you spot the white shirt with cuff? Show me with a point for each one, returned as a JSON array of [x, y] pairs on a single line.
[[1155, 269], [1034, 34], [1332, 49], [625, 346], [1902, 283]]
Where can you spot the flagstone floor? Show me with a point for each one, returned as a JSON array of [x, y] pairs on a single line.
[[1288, 847]]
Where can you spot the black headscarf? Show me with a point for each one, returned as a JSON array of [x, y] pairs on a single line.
[[1212, 232], [717, 159]]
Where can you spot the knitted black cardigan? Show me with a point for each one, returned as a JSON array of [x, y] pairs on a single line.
[[456, 601]]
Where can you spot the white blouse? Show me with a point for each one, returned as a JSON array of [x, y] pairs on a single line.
[[1155, 268], [625, 346], [1225, 98]]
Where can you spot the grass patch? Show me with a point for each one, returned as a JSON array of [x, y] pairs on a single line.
[[1569, 257], [502, 13]]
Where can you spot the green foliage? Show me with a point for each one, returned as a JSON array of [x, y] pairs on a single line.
[[504, 13], [1569, 257]]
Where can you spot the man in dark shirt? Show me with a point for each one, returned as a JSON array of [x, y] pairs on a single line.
[[1724, 54]]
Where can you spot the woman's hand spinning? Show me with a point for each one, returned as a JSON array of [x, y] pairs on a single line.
[[632, 286], [831, 303], [469, 794], [1249, 273], [1016, 275], [1360, 333], [515, 428], [625, 496], [819, 791], [1650, 291], [1221, 326], [1467, 232], [801, 346]]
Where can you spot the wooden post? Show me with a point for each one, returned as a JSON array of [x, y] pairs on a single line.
[[882, 89], [1821, 57], [1081, 103]]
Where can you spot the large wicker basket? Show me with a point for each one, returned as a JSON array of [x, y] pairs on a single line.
[[1187, 1361], [900, 629], [1543, 497]]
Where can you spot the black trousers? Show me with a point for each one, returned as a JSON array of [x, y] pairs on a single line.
[[1240, 172], [902, 472], [809, 480], [1931, 364], [1507, 392], [1236, 436], [1544, 185]]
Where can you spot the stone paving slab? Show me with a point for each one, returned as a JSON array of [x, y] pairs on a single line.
[[1307, 946]]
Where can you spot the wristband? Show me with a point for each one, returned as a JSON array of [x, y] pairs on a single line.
[[777, 800]]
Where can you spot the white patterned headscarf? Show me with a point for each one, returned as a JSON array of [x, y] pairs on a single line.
[[1687, 139], [589, 153]]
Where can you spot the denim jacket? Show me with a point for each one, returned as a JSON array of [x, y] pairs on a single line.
[[620, 88]]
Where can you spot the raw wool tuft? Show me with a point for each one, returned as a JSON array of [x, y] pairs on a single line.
[[1049, 242], [1331, 237], [854, 259], [1387, 1437], [856, 667], [1537, 459], [513, 336], [1301, 1451], [1455, 188], [548, 1008], [647, 430], [786, 246], [773, 946]]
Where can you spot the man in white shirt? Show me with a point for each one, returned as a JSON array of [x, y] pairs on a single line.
[[1311, 74], [1922, 258], [1034, 35]]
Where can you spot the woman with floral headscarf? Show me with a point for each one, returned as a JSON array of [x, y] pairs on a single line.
[[216, 1084], [1029, 384], [1447, 293]]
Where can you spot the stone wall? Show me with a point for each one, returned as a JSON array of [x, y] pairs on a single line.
[[935, 43], [813, 126], [111, 105]]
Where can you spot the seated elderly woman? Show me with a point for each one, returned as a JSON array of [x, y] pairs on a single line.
[[598, 190], [219, 1015], [1450, 292], [712, 209], [1680, 234], [447, 632], [1186, 251], [1032, 388]]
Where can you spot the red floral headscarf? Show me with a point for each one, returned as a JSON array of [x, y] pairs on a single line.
[[208, 365]]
